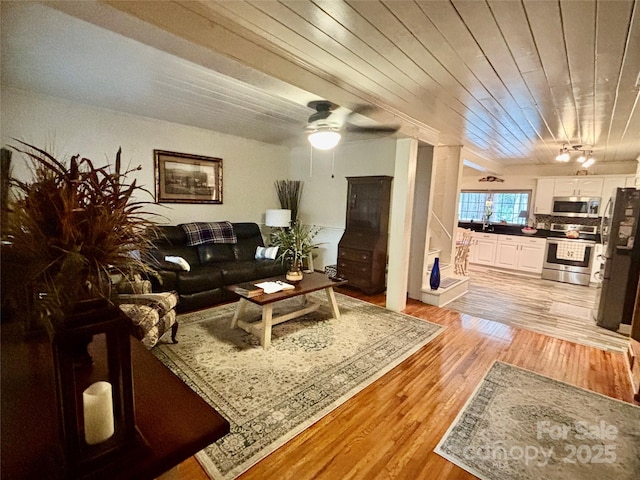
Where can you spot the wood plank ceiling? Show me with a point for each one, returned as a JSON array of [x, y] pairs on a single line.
[[511, 80]]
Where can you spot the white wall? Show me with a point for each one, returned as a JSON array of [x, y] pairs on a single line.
[[250, 168], [324, 199]]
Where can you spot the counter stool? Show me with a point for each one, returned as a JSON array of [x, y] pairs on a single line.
[[463, 242]]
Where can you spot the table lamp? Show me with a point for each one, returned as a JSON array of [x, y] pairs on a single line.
[[278, 218]]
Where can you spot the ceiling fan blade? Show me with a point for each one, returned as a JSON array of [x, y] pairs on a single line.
[[363, 110], [377, 130]]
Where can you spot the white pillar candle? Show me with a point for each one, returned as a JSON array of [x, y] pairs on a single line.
[[97, 402]]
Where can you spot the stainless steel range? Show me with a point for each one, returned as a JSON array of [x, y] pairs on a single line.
[[570, 253]]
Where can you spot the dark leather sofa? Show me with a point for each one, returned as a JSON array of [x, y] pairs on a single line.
[[213, 265]]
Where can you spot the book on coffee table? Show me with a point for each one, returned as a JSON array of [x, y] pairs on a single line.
[[273, 287], [248, 289]]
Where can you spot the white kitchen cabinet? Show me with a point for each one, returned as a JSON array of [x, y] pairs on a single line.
[[507, 251], [520, 253], [609, 185], [543, 202], [483, 251], [575, 186], [565, 187], [590, 187], [531, 256]]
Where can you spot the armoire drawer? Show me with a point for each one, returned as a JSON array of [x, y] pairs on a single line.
[[355, 255], [353, 271]]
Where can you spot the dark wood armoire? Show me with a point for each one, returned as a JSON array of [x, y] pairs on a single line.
[[362, 251]]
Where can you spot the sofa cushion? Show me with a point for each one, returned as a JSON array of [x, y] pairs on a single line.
[[199, 233], [162, 302], [165, 280], [246, 230], [269, 268], [249, 238], [215, 252], [169, 235], [238, 271], [200, 278], [193, 301]]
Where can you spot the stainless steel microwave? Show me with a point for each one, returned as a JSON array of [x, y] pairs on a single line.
[[585, 207]]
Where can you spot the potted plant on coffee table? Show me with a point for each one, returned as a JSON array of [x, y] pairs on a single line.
[[295, 246]]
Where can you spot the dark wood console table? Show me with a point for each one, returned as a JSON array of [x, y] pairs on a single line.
[[175, 421]]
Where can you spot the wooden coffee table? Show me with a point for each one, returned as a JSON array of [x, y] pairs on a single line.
[[311, 282]]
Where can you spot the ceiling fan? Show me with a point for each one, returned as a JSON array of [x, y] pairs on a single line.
[[324, 132]]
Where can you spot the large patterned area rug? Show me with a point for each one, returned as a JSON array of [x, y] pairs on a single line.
[[315, 363], [520, 425]]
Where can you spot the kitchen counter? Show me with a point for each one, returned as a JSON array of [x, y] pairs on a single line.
[[501, 229]]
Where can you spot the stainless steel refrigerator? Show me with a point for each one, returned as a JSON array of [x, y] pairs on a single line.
[[621, 251]]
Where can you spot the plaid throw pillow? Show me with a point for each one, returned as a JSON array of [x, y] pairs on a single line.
[[199, 233]]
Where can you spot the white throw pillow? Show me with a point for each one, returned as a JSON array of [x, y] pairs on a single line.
[[179, 261], [267, 252]]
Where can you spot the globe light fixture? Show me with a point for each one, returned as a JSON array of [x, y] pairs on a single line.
[[324, 137]]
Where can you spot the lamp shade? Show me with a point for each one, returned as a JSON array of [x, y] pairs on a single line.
[[278, 218], [324, 139]]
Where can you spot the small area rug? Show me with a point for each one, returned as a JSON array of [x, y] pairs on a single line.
[[520, 425], [315, 363]]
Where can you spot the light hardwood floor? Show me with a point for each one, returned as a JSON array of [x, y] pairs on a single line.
[[389, 430], [527, 302]]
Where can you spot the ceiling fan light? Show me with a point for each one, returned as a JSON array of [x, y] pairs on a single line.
[[581, 158], [589, 162], [563, 157], [324, 139]]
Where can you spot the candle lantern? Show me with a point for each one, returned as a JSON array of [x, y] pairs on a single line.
[[94, 390]]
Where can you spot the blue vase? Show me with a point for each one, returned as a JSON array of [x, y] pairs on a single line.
[[434, 280]]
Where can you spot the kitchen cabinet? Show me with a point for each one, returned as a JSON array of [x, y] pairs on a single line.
[[507, 252], [582, 187], [520, 253], [610, 184], [483, 250], [543, 202], [362, 250], [531, 255]]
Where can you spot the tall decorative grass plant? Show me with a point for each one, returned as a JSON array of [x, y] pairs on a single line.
[[73, 225], [289, 194]]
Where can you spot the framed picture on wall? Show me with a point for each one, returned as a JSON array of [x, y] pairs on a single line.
[[184, 178]]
